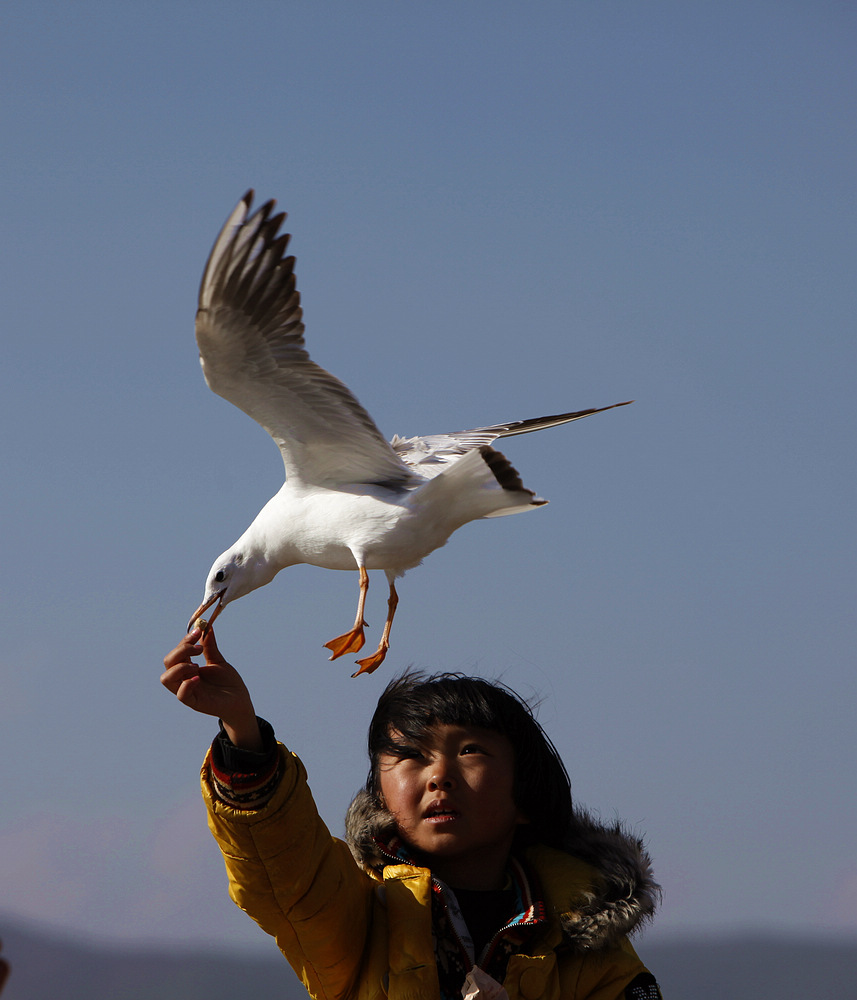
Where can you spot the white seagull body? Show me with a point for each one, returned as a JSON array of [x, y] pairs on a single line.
[[351, 500]]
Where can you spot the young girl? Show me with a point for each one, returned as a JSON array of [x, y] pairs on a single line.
[[467, 872]]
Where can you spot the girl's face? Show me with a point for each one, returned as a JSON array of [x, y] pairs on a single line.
[[451, 798]]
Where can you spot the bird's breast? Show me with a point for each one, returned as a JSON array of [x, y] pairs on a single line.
[[328, 528]]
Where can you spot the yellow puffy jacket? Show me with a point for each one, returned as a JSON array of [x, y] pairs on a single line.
[[356, 933]]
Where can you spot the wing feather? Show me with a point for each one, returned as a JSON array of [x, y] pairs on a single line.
[[250, 334], [430, 454]]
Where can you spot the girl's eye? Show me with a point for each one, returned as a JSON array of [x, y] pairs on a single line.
[[472, 748]]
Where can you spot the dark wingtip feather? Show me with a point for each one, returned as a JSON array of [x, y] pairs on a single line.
[[503, 471]]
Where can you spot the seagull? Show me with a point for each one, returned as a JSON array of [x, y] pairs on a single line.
[[351, 500]]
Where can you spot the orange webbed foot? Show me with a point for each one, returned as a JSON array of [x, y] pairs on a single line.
[[349, 642], [372, 662]]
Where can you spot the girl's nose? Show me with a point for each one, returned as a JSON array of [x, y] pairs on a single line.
[[441, 780]]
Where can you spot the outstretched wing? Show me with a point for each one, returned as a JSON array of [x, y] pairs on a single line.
[[429, 455], [250, 333]]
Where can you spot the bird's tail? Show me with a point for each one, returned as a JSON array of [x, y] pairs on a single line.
[[482, 483]]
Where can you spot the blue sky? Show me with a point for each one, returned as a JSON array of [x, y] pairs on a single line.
[[499, 210]]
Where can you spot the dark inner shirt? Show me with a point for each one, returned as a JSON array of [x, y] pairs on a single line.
[[485, 911]]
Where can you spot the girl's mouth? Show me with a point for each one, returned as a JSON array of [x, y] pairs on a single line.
[[440, 815]]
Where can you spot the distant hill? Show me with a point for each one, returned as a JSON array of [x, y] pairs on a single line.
[[46, 967]]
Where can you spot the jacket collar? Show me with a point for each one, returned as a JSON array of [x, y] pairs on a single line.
[[600, 887]]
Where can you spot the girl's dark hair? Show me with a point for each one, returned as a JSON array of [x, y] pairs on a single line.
[[413, 703]]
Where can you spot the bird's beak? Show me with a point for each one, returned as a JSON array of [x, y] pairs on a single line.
[[204, 607]]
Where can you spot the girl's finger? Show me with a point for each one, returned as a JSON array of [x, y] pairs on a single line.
[[209, 647], [184, 651], [174, 676]]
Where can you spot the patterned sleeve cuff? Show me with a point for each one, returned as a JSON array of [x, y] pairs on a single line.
[[241, 778]]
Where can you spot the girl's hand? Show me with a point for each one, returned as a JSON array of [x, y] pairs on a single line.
[[213, 689]]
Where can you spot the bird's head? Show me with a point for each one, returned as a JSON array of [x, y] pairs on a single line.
[[231, 576]]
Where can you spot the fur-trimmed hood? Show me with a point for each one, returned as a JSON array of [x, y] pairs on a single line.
[[621, 896]]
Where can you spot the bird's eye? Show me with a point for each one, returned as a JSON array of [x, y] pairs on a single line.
[[218, 576]]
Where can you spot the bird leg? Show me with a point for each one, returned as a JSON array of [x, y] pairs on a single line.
[[377, 658], [352, 642]]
